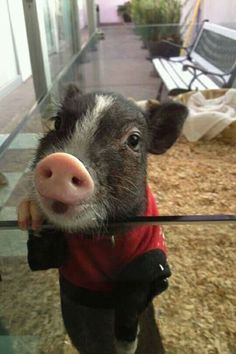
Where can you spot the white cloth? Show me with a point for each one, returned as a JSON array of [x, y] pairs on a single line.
[[209, 117]]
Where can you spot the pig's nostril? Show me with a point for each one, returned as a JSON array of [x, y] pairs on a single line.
[[76, 181], [59, 207], [47, 173]]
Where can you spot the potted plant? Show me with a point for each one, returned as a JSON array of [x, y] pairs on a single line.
[[158, 20], [124, 11]]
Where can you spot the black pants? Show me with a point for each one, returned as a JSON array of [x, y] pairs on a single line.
[[91, 330]]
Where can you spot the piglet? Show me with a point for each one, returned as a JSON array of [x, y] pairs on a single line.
[[89, 172]]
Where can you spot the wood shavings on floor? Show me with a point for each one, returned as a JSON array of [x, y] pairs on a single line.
[[197, 314]]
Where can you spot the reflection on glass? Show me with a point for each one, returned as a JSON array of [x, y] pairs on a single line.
[[30, 320], [197, 311], [83, 19], [58, 27], [16, 87]]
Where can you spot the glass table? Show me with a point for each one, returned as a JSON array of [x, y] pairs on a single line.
[[197, 313]]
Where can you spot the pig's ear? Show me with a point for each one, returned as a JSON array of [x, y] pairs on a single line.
[[165, 122], [71, 91], [146, 105]]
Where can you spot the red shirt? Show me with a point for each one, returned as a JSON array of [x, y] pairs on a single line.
[[94, 263]]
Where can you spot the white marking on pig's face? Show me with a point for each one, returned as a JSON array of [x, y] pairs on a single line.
[[90, 122], [92, 213], [87, 126], [101, 131], [103, 103]]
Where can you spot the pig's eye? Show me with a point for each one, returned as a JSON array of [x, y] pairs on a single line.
[[57, 123], [134, 141]]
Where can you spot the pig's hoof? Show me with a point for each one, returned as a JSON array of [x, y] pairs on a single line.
[[123, 347], [29, 215]]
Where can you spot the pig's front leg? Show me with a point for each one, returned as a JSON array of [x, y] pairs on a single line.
[[29, 215], [131, 301], [46, 248], [126, 331]]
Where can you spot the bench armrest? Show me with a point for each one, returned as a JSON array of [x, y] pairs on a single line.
[[198, 71]]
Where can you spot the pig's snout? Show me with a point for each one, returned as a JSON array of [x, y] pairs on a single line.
[[63, 178]]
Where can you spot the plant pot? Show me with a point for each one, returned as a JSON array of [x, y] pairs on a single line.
[[127, 18], [162, 49]]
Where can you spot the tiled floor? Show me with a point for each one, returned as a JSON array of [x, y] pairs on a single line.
[[15, 105], [120, 65]]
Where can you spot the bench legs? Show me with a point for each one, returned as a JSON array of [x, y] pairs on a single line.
[[171, 93], [160, 91], [178, 91]]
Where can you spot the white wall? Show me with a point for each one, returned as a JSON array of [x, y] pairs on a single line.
[[108, 10], [19, 30], [83, 17], [214, 10], [219, 11], [14, 59], [8, 65]]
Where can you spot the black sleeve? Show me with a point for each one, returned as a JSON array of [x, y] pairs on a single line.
[[150, 268], [137, 284], [46, 249]]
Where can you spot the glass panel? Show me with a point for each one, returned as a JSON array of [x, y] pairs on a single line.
[[50, 27], [58, 26], [30, 321], [8, 67], [83, 19], [197, 313], [16, 86]]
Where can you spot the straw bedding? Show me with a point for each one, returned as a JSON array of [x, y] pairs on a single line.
[[197, 313]]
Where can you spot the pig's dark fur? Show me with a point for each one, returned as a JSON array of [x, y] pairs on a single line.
[[119, 171]]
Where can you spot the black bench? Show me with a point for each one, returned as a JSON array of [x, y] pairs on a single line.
[[210, 63]]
